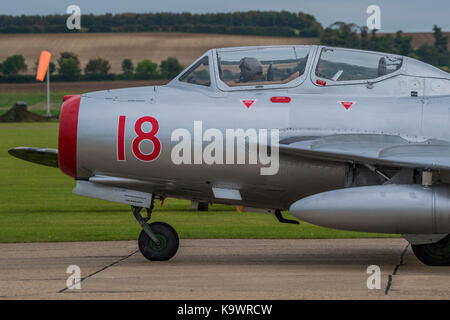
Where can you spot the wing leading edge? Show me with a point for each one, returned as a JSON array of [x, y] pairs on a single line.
[[387, 150]]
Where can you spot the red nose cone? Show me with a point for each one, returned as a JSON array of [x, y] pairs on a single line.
[[68, 130]]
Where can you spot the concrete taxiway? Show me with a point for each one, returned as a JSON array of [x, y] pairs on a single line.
[[221, 269]]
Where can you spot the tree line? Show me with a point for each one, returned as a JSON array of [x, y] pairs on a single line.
[[267, 23], [339, 34], [68, 69], [351, 36]]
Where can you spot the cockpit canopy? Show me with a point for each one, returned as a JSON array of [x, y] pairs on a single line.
[[261, 66], [337, 64], [272, 67], [198, 73], [250, 67]]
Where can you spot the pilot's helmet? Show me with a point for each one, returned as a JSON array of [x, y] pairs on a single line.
[[251, 69]]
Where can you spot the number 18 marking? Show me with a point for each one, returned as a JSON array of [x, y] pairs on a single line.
[[141, 136]]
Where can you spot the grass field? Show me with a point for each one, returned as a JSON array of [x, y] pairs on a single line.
[[36, 101], [36, 204], [35, 94]]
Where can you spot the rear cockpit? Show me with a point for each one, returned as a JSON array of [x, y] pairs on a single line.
[[337, 65]]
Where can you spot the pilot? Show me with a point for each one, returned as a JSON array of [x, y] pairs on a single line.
[[251, 69]]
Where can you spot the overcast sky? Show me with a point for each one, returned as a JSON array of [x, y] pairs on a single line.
[[408, 15]]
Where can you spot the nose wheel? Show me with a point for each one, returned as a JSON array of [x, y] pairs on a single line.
[[158, 241], [165, 248]]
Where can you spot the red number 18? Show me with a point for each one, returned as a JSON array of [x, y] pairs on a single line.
[[141, 136]]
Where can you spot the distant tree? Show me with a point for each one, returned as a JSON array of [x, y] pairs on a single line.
[[97, 67], [428, 54], [364, 38], [341, 34], [147, 69], [432, 55], [69, 66], [438, 54], [440, 40], [274, 23], [127, 68], [13, 65], [403, 44], [52, 67], [67, 55], [170, 68], [383, 43]]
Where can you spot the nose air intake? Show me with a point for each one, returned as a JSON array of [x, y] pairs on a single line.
[[68, 131]]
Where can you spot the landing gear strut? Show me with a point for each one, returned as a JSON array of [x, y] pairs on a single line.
[[157, 241], [434, 254], [283, 220]]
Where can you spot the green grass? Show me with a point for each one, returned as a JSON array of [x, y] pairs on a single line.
[[36, 204], [36, 101]]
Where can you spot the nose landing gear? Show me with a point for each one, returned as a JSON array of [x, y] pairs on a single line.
[[158, 241]]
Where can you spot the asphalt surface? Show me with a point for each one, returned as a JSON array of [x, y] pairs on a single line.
[[221, 269]]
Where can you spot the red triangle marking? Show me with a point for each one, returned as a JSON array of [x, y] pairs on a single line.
[[248, 102], [347, 104]]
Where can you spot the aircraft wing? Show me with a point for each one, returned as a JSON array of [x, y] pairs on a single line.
[[387, 150], [44, 156]]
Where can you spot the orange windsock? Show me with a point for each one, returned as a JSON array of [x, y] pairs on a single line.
[[44, 62]]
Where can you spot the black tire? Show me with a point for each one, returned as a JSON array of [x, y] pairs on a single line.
[[434, 254], [202, 206], [169, 242]]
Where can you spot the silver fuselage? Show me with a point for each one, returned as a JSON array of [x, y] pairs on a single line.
[[384, 107]]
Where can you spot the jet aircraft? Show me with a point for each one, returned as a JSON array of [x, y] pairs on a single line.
[[342, 138]]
